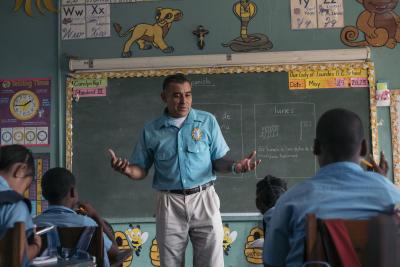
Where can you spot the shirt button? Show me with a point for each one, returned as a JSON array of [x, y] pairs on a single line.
[[184, 180], [180, 149]]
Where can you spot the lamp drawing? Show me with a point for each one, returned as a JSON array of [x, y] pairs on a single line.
[[200, 32]]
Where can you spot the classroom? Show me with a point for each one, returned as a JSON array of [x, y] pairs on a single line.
[[93, 71]]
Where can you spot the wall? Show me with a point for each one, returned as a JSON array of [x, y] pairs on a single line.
[[29, 49]]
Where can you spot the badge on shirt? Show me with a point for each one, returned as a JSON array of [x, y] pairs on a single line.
[[196, 134]]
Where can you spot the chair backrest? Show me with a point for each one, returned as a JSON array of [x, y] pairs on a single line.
[[69, 237], [319, 245], [384, 241], [12, 246]]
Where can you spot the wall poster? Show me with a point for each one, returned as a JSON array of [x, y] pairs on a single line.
[[25, 107]]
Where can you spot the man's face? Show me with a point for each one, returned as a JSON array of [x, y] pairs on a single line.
[[178, 97]]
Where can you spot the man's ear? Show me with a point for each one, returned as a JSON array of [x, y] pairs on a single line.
[[163, 96], [316, 147], [364, 148]]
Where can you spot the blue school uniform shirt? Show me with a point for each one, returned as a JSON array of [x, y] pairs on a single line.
[[339, 190], [62, 216], [12, 213], [182, 157]]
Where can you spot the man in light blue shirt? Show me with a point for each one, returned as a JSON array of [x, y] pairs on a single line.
[[340, 189], [58, 185], [186, 147], [17, 170]]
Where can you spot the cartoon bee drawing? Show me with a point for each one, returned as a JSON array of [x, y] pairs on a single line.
[[155, 253], [253, 252], [123, 243], [229, 238], [136, 237]]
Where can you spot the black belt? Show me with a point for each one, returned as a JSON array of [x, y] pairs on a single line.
[[190, 190]]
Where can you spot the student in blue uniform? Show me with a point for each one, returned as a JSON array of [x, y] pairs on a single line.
[[268, 191], [339, 189], [186, 147], [17, 170], [59, 188]]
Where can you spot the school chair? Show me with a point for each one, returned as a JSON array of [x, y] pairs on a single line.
[[69, 237], [384, 241], [12, 246], [338, 242]]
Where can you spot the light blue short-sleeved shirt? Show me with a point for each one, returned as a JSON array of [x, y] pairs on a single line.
[[339, 190], [12, 213], [182, 157], [62, 216]]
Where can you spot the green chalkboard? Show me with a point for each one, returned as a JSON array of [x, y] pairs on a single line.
[[254, 110]]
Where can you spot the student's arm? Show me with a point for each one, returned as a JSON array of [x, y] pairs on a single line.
[[34, 247], [123, 166], [92, 213], [244, 165]]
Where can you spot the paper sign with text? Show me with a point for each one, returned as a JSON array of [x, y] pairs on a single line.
[[333, 78]]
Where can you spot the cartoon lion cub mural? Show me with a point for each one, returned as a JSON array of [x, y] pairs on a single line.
[[146, 35], [379, 23]]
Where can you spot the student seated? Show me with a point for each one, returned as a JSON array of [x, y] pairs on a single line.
[[340, 189], [268, 191], [58, 187], [17, 170]]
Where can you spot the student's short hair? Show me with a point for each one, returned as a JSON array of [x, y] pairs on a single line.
[[174, 78], [56, 184], [340, 132], [12, 154], [268, 191]]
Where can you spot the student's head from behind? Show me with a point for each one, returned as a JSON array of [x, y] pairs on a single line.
[[339, 137], [268, 191], [17, 166], [58, 186], [177, 95]]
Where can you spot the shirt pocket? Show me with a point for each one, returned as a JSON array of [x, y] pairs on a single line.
[[198, 147], [199, 157]]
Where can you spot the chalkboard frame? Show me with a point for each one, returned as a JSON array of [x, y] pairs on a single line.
[[395, 128], [367, 65]]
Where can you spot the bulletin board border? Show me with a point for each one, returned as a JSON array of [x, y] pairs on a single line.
[[394, 117], [369, 66]]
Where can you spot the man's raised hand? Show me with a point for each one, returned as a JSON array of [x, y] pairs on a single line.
[[118, 164], [247, 164]]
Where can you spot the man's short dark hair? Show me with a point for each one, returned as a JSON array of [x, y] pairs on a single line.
[[268, 191], [56, 184], [340, 132], [174, 78], [12, 154]]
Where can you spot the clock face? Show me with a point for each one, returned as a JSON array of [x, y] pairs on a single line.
[[24, 105], [42, 136]]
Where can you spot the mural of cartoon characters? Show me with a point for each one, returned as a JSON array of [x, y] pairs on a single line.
[[155, 253], [253, 253], [136, 237], [123, 243], [245, 10], [379, 23], [229, 238], [146, 35]]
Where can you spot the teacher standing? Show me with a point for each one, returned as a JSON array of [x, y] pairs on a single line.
[[186, 147]]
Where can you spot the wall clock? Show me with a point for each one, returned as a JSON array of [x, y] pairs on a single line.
[[24, 105]]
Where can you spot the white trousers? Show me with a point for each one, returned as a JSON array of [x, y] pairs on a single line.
[[195, 216]]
